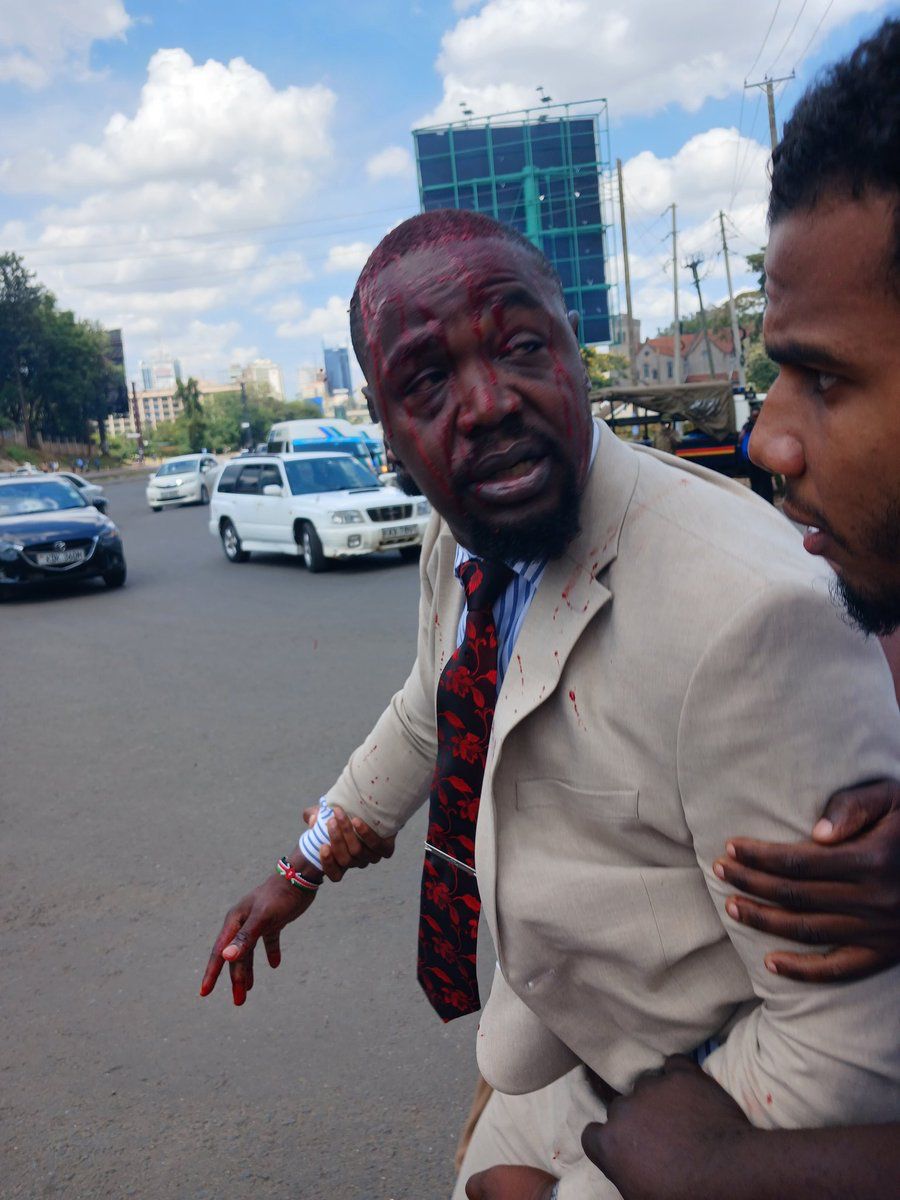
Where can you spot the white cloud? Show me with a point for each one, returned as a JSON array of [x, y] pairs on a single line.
[[330, 322], [351, 257], [393, 162], [640, 54], [462, 6], [218, 130], [41, 40], [166, 212], [711, 171]]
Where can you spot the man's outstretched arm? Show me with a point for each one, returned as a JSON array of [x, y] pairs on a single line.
[[680, 1136], [384, 782]]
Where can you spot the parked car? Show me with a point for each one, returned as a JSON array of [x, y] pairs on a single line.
[[92, 492], [182, 480], [49, 532], [312, 505]]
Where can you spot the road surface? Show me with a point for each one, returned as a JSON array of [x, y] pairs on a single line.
[[158, 744]]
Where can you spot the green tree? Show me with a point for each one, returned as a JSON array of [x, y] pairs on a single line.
[[761, 371], [192, 414], [21, 301], [54, 373], [168, 438], [603, 369]]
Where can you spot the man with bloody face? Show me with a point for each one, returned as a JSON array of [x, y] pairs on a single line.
[[620, 704]]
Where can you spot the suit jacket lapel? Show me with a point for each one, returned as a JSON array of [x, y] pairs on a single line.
[[570, 594]]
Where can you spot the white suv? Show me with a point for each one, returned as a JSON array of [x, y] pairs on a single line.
[[315, 505], [183, 480]]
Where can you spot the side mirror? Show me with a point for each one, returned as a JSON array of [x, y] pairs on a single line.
[[100, 503], [273, 489]]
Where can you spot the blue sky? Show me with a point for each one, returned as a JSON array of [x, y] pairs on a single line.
[[211, 175]]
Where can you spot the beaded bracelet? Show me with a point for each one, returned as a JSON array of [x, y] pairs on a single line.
[[283, 867]]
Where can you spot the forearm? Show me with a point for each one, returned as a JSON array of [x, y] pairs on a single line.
[[805, 1164]]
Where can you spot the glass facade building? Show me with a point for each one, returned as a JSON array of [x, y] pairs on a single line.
[[544, 172], [337, 368]]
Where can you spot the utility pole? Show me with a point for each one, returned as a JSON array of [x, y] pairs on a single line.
[[676, 341], [629, 337], [769, 86], [692, 266], [137, 422], [735, 331]]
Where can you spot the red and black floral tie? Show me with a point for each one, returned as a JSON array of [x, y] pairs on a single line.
[[466, 697]]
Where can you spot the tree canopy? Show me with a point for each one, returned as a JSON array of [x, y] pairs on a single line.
[[55, 375]]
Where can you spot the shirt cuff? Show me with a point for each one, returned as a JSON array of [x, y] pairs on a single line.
[[317, 836]]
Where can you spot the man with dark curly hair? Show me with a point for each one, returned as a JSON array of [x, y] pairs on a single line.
[[831, 427]]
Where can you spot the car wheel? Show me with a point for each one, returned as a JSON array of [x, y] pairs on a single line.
[[410, 553], [116, 577], [311, 547], [231, 543], [204, 494], [156, 507]]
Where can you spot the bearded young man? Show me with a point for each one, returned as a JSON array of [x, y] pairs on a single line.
[[603, 788], [831, 426]]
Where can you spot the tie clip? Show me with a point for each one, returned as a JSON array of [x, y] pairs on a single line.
[[450, 859]]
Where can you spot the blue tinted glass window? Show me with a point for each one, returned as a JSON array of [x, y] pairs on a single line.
[[509, 150], [470, 147], [485, 196], [442, 197], [547, 149], [584, 149]]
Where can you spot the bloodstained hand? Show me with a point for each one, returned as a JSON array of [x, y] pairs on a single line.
[[510, 1183], [262, 913], [842, 889], [665, 1139]]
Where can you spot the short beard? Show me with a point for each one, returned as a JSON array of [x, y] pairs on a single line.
[[871, 613], [543, 537]]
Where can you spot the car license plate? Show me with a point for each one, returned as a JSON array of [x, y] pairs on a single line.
[[398, 532], [59, 558]]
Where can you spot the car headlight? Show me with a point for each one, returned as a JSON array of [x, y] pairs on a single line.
[[423, 508], [110, 535], [9, 548], [350, 516]]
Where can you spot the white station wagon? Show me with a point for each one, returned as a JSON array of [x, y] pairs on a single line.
[[317, 506]]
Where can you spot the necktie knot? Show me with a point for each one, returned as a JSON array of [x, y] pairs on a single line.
[[484, 582]]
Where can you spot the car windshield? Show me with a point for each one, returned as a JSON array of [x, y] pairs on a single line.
[[16, 499], [308, 475], [180, 466]]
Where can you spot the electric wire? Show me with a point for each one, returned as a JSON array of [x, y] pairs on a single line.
[[759, 52], [805, 49], [785, 43]]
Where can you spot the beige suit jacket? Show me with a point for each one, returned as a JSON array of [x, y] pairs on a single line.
[[682, 676]]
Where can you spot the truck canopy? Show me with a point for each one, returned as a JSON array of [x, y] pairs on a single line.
[[709, 406]]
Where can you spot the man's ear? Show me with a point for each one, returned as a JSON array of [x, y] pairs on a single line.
[[574, 320], [370, 403]]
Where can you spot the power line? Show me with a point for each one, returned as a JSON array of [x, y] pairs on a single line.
[[771, 70], [737, 146], [803, 53], [765, 39]]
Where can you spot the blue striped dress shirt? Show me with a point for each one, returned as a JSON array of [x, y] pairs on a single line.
[[509, 614]]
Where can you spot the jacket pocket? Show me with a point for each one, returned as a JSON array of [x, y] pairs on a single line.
[[618, 805]]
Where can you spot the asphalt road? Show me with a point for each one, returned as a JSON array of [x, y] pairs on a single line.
[[158, 745]]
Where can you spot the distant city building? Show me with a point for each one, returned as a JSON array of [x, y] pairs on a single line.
[[156, 405], [262, 374], [656, 358], [337, 369], [160, 373], [311, 385], [545, 172], [117, 398]]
